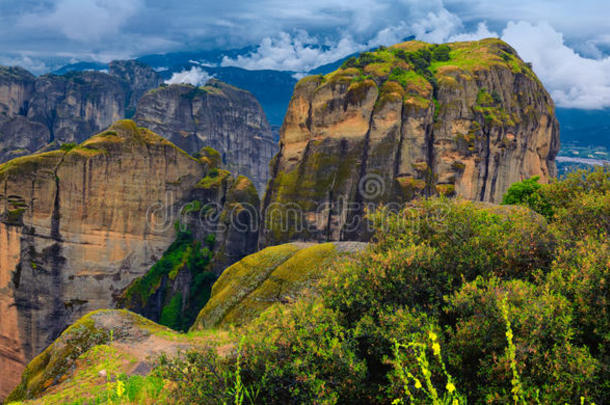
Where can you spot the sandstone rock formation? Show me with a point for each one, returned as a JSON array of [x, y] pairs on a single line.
[[218, 115], [105, 343], [79, 225], [139, 77], [98, 347], [277, 274], [52, 109], [466, 119]]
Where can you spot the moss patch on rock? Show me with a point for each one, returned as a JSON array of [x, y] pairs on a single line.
[[275, 274]]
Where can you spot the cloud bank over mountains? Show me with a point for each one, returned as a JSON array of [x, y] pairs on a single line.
[[567, 43]]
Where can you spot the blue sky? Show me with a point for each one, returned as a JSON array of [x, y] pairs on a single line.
[[568, 42]]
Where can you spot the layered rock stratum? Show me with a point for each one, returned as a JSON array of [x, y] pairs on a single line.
[[78, 225], [466, 119], [218, 115]]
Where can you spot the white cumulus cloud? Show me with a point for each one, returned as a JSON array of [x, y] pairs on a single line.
[[195, 76], [573, 80]]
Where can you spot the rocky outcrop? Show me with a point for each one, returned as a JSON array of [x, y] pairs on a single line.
[[217, 228], [466, 119], [53, 109], [78, 225], [277, 274], [76, 105], [218, 115], [38, 114], [139, 77], [98, 348], [16, 88]]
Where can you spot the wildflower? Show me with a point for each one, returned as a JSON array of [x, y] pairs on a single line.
[[450, 387], [436, 348], [455, 402], [417, 384], [120, 388], [433, 336]]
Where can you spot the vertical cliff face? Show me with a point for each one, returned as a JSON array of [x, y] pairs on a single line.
[[467, 119], [78, 226], [16, 88], [223, 117], [52, 109], [138, 76], [76, 105]]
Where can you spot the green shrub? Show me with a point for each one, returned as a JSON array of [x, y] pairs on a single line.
[[422, 254], [303, 356], [440, 53], [67, 147], [200, 376], [552, 367], [171, 313], [527, 193], [470, 239], [520, 309], [582, 274], [294, 355], [184, 254]]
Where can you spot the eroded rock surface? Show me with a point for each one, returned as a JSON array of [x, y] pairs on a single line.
[[79, 225], [466, 119], [218, 115]]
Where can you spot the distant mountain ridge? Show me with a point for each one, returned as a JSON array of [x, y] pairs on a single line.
[[273, 89]]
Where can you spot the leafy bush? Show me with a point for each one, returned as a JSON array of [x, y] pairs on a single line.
[[552, 368], [440, 53], [527, 193], [581, 273], [67, 147], [303, 356], [200, 376], [470, 239], [578, 205], [519, 309]]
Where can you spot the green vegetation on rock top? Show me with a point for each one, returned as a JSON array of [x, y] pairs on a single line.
[[123, 132], [418, 67]]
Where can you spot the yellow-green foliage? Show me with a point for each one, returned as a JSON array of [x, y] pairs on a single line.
[[30, 163], [211, 157], [473, 56], [358, 90], [239, 280], [49, 367], [284, 283], [214, 179], [243, 192], [490, 105]]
